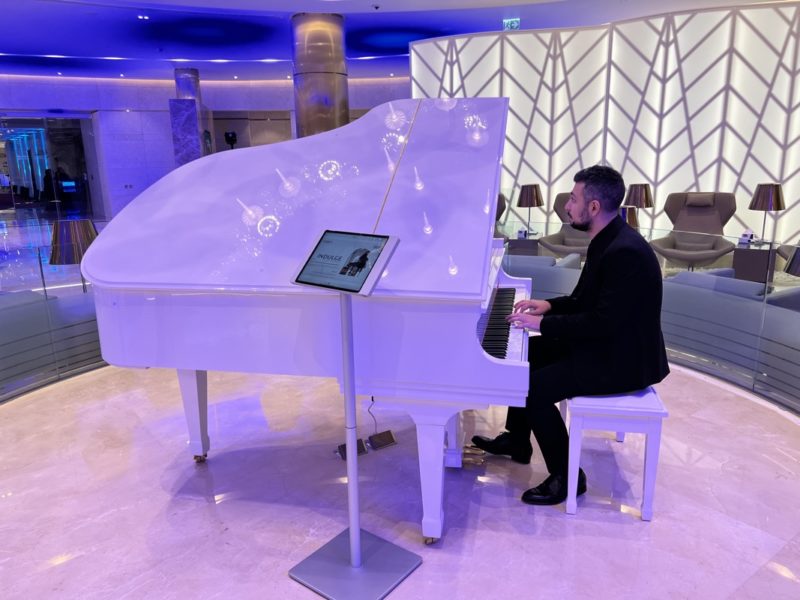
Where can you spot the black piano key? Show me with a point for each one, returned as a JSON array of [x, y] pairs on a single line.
[[495, 337]]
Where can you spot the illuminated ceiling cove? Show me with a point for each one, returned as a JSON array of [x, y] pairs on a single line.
[[240, 39]]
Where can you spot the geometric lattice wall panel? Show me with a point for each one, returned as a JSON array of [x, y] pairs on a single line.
[[637, 80], [527, 68], [692, 101], [579, 106], [458, 67], [764, 75]]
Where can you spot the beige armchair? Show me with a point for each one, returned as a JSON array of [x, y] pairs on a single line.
[[698, 219], [567, 240], [786, 250]]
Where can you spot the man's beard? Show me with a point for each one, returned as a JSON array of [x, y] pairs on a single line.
[[582, 225]]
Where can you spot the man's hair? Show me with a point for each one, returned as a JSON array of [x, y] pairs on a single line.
[[603, 184]]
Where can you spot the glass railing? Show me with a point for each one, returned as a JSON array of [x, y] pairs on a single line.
[[735, 315], [48, 329], [731, 307]]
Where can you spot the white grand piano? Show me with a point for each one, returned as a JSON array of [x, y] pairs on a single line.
[[194, 274]]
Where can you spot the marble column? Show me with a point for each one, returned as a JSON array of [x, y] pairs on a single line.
[[320, 73], [191, 122]]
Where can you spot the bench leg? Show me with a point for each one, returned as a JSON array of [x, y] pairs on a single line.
[[652, 443], [620, 436], [575, 440]]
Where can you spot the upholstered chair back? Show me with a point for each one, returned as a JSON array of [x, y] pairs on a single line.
[[698, 217], [501, 206], [707, 212], [560, 206]]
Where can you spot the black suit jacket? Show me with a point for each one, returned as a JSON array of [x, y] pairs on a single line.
[[611, 322]]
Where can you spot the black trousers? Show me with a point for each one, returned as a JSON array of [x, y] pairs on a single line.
[[551, 380]]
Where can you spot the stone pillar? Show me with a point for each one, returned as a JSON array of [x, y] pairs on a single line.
[[187, 84], [320, 73], [191, 122]]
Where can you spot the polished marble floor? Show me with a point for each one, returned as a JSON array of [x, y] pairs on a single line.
[[99, 498]]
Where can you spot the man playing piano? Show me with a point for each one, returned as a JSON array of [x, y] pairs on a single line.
[[604, 338]]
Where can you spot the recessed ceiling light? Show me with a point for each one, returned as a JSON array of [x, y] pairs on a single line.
[[122, 74], [288, 77], [391, 74], [58, 72], [236, 77], [143, 17]]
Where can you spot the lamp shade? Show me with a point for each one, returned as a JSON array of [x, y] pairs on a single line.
[[768, 196], [530, 196], [71, 238], [639, 195], [793, 264], [629, 214]]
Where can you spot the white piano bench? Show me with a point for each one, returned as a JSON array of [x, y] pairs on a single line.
[[636, 412]]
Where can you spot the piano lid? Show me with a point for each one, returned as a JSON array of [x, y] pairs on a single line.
[[426, 171]]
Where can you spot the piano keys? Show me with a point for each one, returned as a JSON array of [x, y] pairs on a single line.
[[194, 274]]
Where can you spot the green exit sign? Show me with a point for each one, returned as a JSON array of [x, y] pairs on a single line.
[[510, 24]]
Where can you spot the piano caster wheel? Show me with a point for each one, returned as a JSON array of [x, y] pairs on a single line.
[[200, 458], [430, 540]]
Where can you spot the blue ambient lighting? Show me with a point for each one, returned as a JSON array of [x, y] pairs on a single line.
[[383, 42]]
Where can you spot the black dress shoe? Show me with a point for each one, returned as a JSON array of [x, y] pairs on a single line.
[[505, 444], [553, 490]]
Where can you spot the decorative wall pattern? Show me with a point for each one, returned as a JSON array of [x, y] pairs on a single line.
[[692, 101]]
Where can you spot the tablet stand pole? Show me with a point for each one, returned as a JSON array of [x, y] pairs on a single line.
[[351, 435], [331, 571]]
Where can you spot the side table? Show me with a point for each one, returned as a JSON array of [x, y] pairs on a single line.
[[754, 264], [524, 246]]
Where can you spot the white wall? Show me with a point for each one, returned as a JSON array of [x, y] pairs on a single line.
[[131, 129], [693, 101]]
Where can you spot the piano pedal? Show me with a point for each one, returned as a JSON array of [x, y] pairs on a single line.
[[381, 440], [471, 455], [361, 448]]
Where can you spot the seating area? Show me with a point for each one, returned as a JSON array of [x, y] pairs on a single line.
[[743, 331], [698, 219]]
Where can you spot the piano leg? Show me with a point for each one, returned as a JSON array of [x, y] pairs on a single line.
[[194, 392], [431, 423], [453, 442]]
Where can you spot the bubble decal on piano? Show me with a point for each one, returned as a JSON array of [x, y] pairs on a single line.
[[476, 131], [392, 140], [395, 119], [330, 170], [453, 267], [268, 226], [250, 214], [389, 162], [418, 183], [445, 104], [289, 186], [427, 228]]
